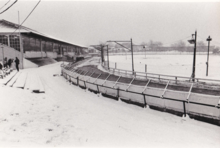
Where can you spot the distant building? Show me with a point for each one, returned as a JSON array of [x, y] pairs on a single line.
[[34, 43]]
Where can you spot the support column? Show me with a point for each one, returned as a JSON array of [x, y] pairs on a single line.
[[41, 50], [53, 47], [9, 40], [45, 50], [61, 51], [21, 50]]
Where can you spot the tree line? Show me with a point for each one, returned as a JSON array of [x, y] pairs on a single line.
[[159, 46]]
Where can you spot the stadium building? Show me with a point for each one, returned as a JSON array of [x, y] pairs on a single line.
[[34, 44]]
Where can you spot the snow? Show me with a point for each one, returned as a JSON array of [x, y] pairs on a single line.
[[177, 65], [66, 115], [29, 64]]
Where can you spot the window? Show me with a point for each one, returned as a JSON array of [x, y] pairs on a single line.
[[14, 42], [4, 39]]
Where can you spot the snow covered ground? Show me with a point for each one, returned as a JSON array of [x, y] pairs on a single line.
[[67, 115], [179, 65]]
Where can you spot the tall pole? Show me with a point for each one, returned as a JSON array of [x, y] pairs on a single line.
[[101, 53], [145, 52], [108, 56], [21, 46], [132, 57], [194, 59], [207, 63], [3, 58]]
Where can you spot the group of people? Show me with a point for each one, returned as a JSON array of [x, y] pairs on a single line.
[[7, 63]]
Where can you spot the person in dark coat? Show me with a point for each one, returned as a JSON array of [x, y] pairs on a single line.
[[0, 66], [17, 63], [5, 62], [9, 63]]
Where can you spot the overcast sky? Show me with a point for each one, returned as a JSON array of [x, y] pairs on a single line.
[[90, 22]]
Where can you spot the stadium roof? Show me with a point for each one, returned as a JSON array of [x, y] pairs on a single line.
[[9, 27]]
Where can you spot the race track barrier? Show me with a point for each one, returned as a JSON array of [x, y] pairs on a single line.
[[182, 102]]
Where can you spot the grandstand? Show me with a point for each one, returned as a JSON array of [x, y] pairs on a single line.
[[35, 44]]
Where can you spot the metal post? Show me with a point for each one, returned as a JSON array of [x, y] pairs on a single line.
[[102, 54], [3, 58], [132, 57], [145, 67], [184, 108], [118, 94], [145, 104], [207, 60], [21, 46], [194, 59], [108, 56], [207, 63], [145, 52]]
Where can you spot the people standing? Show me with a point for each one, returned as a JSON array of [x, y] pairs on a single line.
[[17, 63], [0, 66], [9, 63], [5, 62]]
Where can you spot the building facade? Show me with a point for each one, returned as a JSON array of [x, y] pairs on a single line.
[[34, 44]]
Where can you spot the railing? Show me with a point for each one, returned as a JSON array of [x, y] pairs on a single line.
[[157, 76]]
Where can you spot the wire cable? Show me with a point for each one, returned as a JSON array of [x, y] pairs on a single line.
[[9, 6], [5, 4], [26, 17]]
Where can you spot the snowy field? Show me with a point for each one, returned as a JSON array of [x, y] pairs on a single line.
[[177, 65], [67, 115]]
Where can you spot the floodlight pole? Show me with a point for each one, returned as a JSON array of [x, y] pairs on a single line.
[[107, 56], [194, 59], [132, 56], [207, 63]]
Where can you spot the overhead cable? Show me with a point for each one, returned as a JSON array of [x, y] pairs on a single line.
[[9, 6], [27, 16], [5, 4]]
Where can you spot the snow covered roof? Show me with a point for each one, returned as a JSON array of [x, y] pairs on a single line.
[[9, 27]]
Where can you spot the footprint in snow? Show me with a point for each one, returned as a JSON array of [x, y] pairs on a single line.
[[24, 124], [50, 129]]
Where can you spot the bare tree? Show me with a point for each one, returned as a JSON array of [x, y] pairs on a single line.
[[216, 50], [100, 47], [200, 43], [154, 44], [179, 44]]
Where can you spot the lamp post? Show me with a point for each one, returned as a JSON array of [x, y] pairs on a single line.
[[207, 63], [145, 51], [193, 41]]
